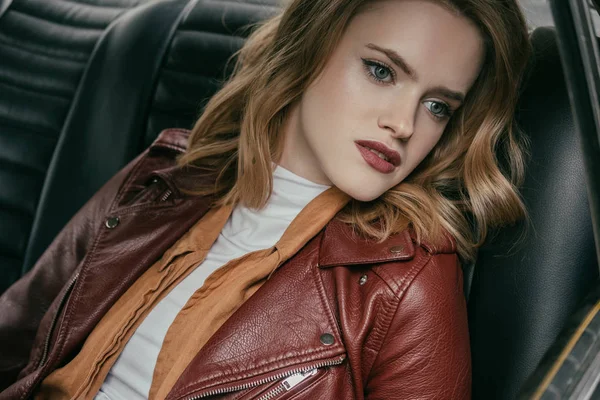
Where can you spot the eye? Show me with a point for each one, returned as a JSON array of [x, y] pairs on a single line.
[[379, 71], [438, 109]]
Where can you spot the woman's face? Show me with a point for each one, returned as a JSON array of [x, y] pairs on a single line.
[[400, 69]]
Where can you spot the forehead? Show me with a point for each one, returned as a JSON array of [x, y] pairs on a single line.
[[441, 45]]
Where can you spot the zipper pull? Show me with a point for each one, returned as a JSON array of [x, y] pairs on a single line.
[[166, 195], [293, 380]]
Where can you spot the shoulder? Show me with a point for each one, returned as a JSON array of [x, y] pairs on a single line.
[[426, 345], [440, 262], [432, 269], [159, 157], [175, 139], [398, 260], [122, 187], [426, 287]]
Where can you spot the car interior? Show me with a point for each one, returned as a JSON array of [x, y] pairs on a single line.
[[86, 85]]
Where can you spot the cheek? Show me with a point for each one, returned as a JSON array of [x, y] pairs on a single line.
[[339, 90], [418, 149], [331, 107]]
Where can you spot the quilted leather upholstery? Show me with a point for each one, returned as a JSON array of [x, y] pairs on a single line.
[[44, 47], [196, 63]]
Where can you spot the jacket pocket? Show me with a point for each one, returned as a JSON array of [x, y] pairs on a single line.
[[286, 388]]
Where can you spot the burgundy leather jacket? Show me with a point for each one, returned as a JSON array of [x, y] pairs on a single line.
[[366, 320]]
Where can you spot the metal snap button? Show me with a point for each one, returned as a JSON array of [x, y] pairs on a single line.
[[396, 249], [327, 339], [362, 280], [112, 222]]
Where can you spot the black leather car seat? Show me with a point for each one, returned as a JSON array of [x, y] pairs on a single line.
[[198, 60], [522, 296]]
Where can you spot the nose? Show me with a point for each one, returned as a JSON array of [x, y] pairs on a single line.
[[399, 121]]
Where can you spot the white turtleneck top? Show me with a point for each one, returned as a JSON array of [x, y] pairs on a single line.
[[245, 231]]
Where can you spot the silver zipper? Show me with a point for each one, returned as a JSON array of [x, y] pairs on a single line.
[[245, 386], [288, 384], [55, 318], [166, 195]]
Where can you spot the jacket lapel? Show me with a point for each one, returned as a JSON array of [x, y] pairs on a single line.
[[341, 246], [285, 327], [120, 255]]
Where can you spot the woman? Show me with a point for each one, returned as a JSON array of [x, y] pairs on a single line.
[[307, 243]]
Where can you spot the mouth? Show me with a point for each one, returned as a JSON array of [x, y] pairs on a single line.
[[380, 150]]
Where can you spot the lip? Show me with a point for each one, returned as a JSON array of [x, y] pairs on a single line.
[[378, 164], [392, 155]]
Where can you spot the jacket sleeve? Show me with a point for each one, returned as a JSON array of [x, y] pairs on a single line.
[[25, 307], [426, 352]]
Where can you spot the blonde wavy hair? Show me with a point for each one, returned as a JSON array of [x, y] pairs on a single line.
[[466, 185]]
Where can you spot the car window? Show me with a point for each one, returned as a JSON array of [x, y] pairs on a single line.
[[538, 14]]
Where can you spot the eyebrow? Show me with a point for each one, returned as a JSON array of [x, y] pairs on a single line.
[[396, 59], [451, 94], [403, 65]]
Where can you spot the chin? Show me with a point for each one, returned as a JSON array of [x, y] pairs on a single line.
[[357, 184], [359, 193], [366, 196]]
